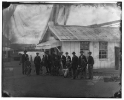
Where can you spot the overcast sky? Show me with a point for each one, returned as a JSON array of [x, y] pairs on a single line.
[[29, 21]]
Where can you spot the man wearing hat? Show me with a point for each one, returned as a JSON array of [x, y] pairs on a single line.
[[90, 65], [82, 61], [37, 62], [47, 62], [54, 63], [23, 61], [74, 64]]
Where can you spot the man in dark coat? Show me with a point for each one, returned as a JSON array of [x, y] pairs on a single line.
[[54, 63], [74, 64], [82, 61], [23, 61], [90, 65], [47, 62], [37, 62], [57, 64]]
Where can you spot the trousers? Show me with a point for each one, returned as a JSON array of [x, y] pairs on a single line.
[[37, 68], [90, 70], [23, 67], [48, 68], [74, 72]]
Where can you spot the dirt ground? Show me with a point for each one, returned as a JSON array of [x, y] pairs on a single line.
[[19, 85]]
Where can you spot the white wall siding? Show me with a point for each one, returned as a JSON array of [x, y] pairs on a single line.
[[104, 63], [71, 46], [111, 53], [94, 48]]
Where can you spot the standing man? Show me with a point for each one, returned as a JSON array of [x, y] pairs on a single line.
[[74, 64], [90, 65], [57, 65], [53, 62], [37, 62], [68, 63], [23, 61], [82, 63], [47, 62]]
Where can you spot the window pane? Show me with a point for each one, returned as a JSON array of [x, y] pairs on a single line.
[[100, 53], [103, 56], [104, 52], [106, 47]]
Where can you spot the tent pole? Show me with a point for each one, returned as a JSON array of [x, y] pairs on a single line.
[[57, 49]]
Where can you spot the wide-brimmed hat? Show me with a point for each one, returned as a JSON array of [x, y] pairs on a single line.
[[66, 53], [73, 52], [81, 51]]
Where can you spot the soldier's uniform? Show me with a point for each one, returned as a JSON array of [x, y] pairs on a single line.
[[37, 62], [57, 65], [90, 65], [82, 64], [53, 63], [74, 64], [23, 61]]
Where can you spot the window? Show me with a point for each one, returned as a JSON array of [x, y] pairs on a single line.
[[84, 45], [103, 50]]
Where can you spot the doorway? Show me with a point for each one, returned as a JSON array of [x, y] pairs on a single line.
[[117, 58]]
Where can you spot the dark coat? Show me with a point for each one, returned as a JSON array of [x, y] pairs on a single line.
[[82, 61], [74, 62], [57, 61], [47, 59], [53, 57], [24, 58], [90, 60], [37, 60]]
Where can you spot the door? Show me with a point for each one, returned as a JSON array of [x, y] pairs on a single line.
[[117, 58]]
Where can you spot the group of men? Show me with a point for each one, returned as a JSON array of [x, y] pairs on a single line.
[[56, 63]]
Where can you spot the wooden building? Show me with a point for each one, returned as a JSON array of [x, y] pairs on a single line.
[[103, 42]]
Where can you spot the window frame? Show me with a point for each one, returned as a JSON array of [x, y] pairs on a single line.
[[84, 42], [103, 51]]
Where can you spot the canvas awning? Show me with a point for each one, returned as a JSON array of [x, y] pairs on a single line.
[[48, 44]]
